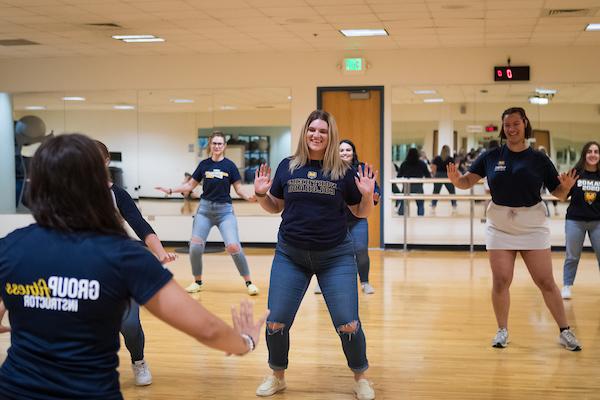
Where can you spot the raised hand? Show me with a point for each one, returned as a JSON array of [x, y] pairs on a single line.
[[365, 182], [262, 179], [568, 179], [243, 321], [453, 173]]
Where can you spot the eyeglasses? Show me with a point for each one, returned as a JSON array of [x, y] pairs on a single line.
[[217, 144]]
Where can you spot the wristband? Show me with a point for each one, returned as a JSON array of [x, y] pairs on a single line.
[[249, 342], [260, 194]]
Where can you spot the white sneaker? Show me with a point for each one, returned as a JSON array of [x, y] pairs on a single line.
[[252, 289], [566, 292], [141, 373], [270, 386], [318, 289], [364, 390], [500, 341], [567, 338], [194, 288], [367, 288]]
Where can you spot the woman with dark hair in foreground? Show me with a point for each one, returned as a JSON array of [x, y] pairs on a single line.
[[67, 279]]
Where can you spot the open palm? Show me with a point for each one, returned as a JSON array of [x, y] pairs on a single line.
[[262, 179], [365, 182]]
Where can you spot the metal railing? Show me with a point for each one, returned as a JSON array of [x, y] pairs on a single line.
[[471, 197]]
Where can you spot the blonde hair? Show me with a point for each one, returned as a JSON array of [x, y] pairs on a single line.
[[333, 166], [445, 153], [214, 135]]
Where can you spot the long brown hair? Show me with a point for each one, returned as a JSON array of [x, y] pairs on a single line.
[[580, 166], [68, 189], [333, 166]]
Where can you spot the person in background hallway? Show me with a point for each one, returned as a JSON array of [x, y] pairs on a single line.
[[218, 174], [131, 326], [516, 219], [413, 167], [438, 170], [358, 227], [84, 268], [313, 188], [583, 214]]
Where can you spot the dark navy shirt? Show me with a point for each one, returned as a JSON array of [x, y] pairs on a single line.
[[217, 177], [441, 171], [314, 214], [131, 213], [66, 294], [516, 178], [418, 170], [585, 198]]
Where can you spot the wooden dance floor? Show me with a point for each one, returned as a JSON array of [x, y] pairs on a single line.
[[428, 328]]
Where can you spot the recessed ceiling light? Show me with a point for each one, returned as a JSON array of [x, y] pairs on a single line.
[[433, 100], [289, 97], [181, 101], [545, 91], [73, 98], [539, 100], [123, 37], [123, 107], [225, 107], [424, 91], [363, 32], [149, 40], [35, 107], [592, 27]]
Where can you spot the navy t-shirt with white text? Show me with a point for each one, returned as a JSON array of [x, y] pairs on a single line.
[[314, 214], [66, 294], [516, 178], [216, 178], [585, 198]]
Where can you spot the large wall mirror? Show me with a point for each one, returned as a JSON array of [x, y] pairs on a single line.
[[156, 136], [467, 119]]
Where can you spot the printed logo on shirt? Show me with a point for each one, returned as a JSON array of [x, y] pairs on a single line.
[[301, 185], [500, 167], [58, 294], [215, 174], [590, 189], [312, 174]]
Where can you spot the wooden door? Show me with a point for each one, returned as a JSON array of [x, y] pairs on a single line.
[[542, 138], [358, 114]]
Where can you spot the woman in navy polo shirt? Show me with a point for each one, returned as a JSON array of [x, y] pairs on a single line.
[[583, 214], [217, 173], [516, 218], [67, 296], [313, 188]]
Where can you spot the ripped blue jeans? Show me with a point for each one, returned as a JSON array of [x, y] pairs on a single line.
[[291, 273]]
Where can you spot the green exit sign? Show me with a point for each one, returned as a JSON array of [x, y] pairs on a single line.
[[354, 64]]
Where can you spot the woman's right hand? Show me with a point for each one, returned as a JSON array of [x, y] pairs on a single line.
[[453, 173], [243, 321], [166, 191], [262, 179]]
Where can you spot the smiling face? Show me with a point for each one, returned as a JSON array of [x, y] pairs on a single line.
[[217, 146], [346, 152], [592, 156], [514, 128], [317, 139]]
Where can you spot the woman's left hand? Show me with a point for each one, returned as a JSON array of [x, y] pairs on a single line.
[[365, 182], [567, 180]]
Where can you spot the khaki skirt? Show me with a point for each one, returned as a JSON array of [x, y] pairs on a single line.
[[517, 228]]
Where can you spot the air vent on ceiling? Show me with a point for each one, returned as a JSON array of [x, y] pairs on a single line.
[[17, 42], [104, 25], [568, 12]]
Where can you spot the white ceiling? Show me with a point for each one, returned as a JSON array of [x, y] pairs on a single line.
[[241, 26]]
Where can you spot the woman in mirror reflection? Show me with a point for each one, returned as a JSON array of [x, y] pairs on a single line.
[[313, 189], [583, 214], [438, 170], [217, 174], [131, 326], [358, 227], [516, 218]]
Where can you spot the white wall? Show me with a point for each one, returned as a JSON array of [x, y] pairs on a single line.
[[303, 73]]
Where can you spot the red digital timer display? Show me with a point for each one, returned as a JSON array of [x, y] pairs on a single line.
[[511, 73]]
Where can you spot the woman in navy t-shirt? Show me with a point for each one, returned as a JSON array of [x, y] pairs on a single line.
[[583, 214], [67, 279], [313, 188], [217, 173], [438, 170], [516, 218]]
